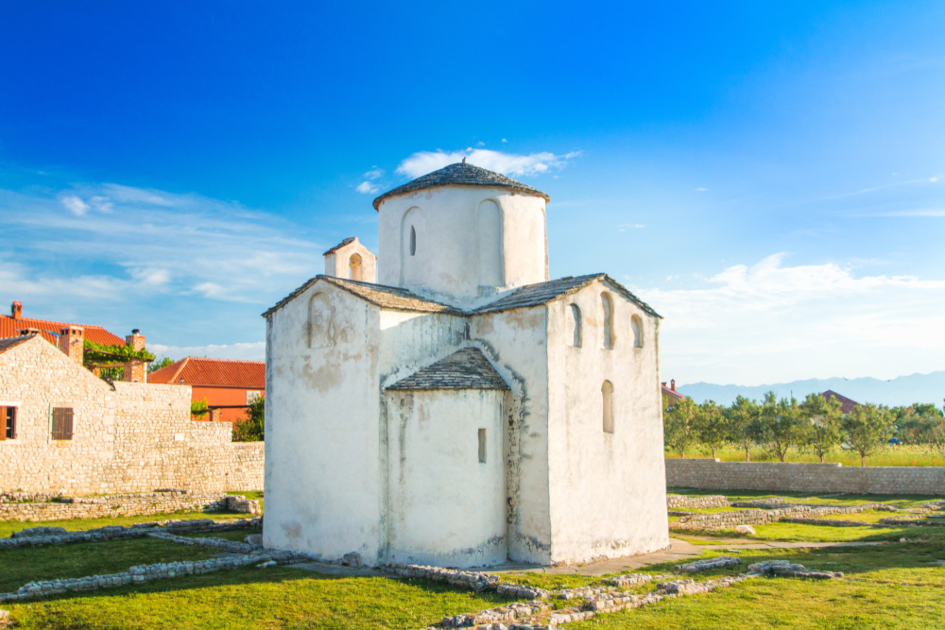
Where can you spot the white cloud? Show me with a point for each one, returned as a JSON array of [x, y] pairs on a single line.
[[768, 323], [367, 188], [504, 140], [424, 162], [480, 144], [375, 173], [74, 205], [701, 189], [151, 276], [630, 226], [255, 351]]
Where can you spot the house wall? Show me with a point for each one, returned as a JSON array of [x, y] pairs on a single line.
[[338, 263], [434, 442], [445, 265], [323, 472], [224, 396], [607, 490], [515, 343], [128, 437]]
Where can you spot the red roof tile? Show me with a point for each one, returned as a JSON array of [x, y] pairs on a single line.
[[672, 393], [212, 373], [10, 327], [846, 405]]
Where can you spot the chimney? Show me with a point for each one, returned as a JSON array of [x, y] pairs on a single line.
[[72, 342], [672, 384], [135, 370], [16, 310]]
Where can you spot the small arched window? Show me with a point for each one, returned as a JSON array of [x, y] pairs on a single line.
[[574, 325], [636, 325], [607, 391], [608, 310], [354, 267], [413, 241]]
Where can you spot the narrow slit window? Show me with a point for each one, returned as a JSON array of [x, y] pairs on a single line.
[[607, 390], [608, 311], [62, 423], [576, 326], [482, 446], [413, 241], [7, 423], [637, 326]]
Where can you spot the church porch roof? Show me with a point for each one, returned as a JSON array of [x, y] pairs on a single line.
[[465, 369]]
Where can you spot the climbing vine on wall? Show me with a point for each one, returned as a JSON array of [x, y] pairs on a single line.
[[97, 355]]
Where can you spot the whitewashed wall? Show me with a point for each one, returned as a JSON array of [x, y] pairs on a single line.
[[515, 343], [446, 265], [607, 490], [323, 473], [446, 506]]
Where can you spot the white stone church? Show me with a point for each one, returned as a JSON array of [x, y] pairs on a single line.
[[464, 410]]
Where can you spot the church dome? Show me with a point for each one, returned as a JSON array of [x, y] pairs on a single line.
[[461, 174]]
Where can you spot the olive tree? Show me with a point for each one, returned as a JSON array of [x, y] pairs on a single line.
[[866, 428]]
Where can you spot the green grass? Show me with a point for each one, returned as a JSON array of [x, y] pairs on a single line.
[[904, 455], [234, 534], [30, 564], [79, 524], [251, 598]]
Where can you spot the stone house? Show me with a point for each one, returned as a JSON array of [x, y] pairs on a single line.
[[466, 410], [227, 386], [66, 430]]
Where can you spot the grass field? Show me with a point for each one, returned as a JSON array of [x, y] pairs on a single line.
[[903, 455], [893, 585]]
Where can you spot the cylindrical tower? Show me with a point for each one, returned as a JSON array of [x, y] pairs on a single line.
[[461, 234]]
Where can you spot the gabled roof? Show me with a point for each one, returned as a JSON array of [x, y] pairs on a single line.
[[461, 174], [347, 241], [7, 344], [465, 369], [846, 405], [212, 373], [377, 294], [10, 327], [544, 292]]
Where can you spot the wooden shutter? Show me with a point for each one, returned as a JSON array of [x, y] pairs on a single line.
[[11, 421], [62, 423], [3, 423]]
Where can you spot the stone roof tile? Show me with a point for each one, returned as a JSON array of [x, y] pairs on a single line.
[[347, 241], [12, 342], [543, 292], [465, 369], [461, 174], [377, 294]]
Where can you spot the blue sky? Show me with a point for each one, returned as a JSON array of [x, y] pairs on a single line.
[[770, 178]]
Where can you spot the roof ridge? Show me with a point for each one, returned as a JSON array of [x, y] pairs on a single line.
[[227, 360], [52, 321]]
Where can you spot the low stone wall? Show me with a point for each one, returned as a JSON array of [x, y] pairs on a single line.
[[125, 505], [712, 474], [676, 501]]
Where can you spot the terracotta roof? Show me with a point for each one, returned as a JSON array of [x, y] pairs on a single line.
[[846, 405], [461, 174], [212, 373], [466, 369], [10, 327], [347, 241], [377, 294], [672, 393], [6, 344], [544, 292]]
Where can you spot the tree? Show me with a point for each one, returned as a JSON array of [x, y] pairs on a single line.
[[710, 425], [198, 408], [743, 425], [678, 429], [252, 427], [824, 417], [866, 428], [781, 425], [160, 363]]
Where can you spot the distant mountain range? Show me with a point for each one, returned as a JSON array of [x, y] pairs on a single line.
[[903, 390]]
